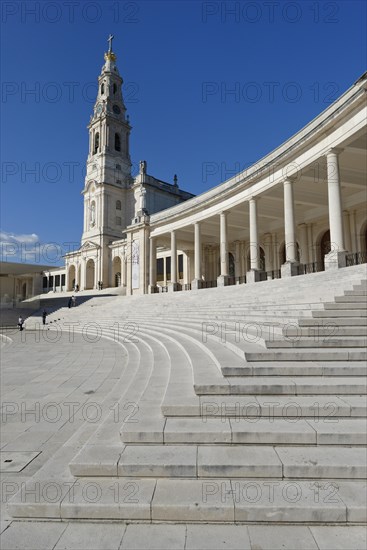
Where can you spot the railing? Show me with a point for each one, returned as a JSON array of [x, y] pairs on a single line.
[[208, 284], [356, 258], [314, 267], [273, 274], [163, 289]]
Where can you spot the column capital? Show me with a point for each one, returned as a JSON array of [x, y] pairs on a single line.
[[289, 179], [253, 199], [334, 151]]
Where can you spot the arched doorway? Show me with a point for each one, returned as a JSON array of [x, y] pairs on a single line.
[[324, 248], [231, 265], [283, 257], [116, 271], [72, 278], [89, 276], [261, 260]]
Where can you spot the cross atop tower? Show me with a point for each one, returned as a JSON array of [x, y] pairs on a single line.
[[109, 40]]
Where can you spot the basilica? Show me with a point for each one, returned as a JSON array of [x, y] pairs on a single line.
[[298, 210]]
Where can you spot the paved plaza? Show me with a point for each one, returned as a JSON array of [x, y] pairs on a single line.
[[119, 413]]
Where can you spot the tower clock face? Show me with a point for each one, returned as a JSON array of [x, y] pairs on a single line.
[[99, 109], [116, 109]]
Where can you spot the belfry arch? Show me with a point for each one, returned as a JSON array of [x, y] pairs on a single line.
[[90, 274]]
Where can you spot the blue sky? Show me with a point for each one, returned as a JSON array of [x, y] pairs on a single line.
[[210, 88]]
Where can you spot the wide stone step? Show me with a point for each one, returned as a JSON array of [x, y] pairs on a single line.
[[340, 306], [317, 341], [352, 297], [230, 461], [312, 354], [328, 331], [328, 407], [333, 322], [348, 293], [335, 312], [258, 431], [298, 368], [273, 385], [196, 500]]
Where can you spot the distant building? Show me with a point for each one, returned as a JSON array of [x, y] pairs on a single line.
[[19, 281], [300, 209]]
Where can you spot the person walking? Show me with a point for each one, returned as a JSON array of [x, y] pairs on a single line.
[[70, 302], [20, 323], [73, 301], [44, 315]]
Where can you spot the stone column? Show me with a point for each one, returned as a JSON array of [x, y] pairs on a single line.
[[164, 271], [67, 277], [237, 263], [152, 265], [243, 258], [311, 245], [347, 237], [337, 256], [353, 231], [123, 268], [253, 274], [83, 274], [275, 248], [174, 285], [197, 281], [291, 265], [268, 247], [303, 244], [222, 280]]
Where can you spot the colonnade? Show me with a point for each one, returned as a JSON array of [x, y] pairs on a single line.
[[294, 252]]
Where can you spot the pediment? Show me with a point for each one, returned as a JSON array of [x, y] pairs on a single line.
[[89, 245]]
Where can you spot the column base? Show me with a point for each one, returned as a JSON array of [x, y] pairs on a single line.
[[196, 284], [173, 287], [334, 259], [254, 275], [222, 280], [289, 269]]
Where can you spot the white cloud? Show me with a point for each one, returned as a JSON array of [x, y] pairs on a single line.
[[28, 248]]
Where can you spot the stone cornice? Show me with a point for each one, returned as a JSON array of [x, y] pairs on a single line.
[[305, 138]]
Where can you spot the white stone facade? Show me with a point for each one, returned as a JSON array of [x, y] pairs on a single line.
[[300, 209]]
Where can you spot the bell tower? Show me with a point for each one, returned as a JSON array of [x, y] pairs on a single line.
[[108, 178]]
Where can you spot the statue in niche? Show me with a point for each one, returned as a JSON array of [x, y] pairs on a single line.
[[143, 167], [143, 199], [92, 214]]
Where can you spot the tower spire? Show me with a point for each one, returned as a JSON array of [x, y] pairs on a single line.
[[109, 40], [109, 55]]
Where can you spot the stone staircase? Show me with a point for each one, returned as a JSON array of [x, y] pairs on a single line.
[[242, 404]]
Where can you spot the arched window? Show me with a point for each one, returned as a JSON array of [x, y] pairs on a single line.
[[96, 143], [118, 279], [114, 89], [118, 205], [102, 89], [117, 142]]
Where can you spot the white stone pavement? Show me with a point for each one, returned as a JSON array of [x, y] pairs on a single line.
[[57, 395], [118, 536]]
